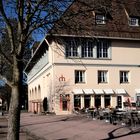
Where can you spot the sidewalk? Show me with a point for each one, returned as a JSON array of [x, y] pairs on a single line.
[[68, 127]]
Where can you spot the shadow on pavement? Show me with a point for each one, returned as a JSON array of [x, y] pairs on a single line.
[[68, 118], [112, 136]]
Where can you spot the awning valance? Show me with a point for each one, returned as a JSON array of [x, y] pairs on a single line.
[[88, 91], [137, 90], [108, 91], [120, 91], [98, 91], [78, 91]]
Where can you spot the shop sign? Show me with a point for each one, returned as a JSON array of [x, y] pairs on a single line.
[[62, 78]]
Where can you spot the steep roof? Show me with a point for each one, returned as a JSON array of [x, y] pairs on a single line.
[[79, 19]]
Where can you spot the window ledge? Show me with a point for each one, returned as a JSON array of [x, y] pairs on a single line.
[[90, 58], [125, 83], [102, 82], [80, 83]]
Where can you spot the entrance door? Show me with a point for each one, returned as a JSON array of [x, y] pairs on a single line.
[[119, 101], [64, 105], [87, 101], [97, 101], [77, 101], [65, 102], [107, 99]]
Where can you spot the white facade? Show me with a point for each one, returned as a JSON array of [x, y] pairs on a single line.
[[71, 82]]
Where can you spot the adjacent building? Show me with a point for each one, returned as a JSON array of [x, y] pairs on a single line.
[[90, 58]]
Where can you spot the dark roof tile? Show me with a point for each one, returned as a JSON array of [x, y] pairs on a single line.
[[79, 19]]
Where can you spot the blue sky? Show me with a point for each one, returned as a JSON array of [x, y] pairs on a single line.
[[2, 83], [60, 4]]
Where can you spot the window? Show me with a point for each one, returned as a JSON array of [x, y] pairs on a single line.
[[87, 48], [124, 76], [79, 76], [133, 21], [138, 99], [77, 102], [64, 102], [102, 49], [72, 48], [119, 101], [102, 76], [100, 19], [97, 101], [87, 100], [107, 100]]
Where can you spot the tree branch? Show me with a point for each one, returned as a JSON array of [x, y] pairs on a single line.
[[5, 57], [9, 27], [20, 32]]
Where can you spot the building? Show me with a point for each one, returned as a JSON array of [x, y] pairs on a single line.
[[90, 58]]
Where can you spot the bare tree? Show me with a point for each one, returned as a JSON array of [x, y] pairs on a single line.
[[35, 16], [59, 90], [32, 16]]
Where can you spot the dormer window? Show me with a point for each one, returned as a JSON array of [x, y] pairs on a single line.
[[100, 19], [133, 21]]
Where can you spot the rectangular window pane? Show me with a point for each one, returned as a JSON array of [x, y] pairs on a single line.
[[102, 49], [107, 100], [72, 48], [102, 76], [133, 21], [76, 77], [87, 48], [100, 19], [79, 76], [124, 77]]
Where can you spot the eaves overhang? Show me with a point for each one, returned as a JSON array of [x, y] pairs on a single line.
[[35, 56], [88, 36]]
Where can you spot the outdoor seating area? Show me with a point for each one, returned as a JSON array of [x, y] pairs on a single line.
[[129, 118]]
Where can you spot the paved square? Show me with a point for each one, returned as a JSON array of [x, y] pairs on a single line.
[[75, 127]]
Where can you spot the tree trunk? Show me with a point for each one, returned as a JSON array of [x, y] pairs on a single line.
[[14, 115], [14, 109]]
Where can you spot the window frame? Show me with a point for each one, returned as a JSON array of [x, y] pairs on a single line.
[[72, 48], [87, 49], [138, 100], [100, 19], [124, 77], [102, 76], [133, 21], [103, 49], [79, 76]]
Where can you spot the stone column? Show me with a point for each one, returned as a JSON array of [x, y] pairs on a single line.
[[102, 101], [92, 104], [82, 101], [71, 102], [113, 101]]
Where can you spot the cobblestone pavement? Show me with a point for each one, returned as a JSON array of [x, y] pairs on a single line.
[[75, 127], [3, 131], [68, 127]]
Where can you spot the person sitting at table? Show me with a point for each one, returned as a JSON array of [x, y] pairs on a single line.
[[113, 117]]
